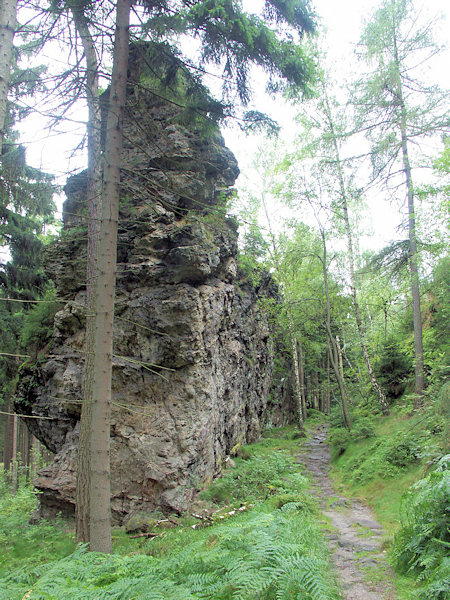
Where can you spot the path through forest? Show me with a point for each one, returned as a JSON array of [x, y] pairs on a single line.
[[355, 536]]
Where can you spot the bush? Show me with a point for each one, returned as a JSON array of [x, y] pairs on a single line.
[[363, 428], [255, 479], [20, 542], [38, 324], [393, 369], [403, 451], [385, 457], [422, 543], [339, 439]]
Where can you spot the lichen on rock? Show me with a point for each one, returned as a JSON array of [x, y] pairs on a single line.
[[192, 349]]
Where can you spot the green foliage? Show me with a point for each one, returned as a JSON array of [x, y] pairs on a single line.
[[363, 428], [273, 551], [22, 545], [38, 323], [226, 31], [236, 560], [393, 369], [339, 438], [257, 478], [384, 458], [422, 543]]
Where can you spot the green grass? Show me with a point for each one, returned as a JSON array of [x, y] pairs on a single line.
[[273, 550], [23, 545], [380, 469]]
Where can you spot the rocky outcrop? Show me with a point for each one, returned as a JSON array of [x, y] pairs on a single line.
[[193, 354]]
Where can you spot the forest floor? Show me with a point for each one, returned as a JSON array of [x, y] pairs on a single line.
[[354, 534]]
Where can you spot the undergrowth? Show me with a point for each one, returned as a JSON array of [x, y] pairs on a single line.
[[22, 544], [272, 551], [384, 460], [423, 541]]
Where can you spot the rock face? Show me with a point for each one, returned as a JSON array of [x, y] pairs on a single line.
[[193, 354]]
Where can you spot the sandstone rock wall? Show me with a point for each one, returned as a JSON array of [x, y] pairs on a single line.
[[193, 353]]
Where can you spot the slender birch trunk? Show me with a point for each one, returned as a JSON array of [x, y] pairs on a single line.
[[8, 439], [328, 392], [333, 349], [297, 385], [302, 380], [8, 25], [14, 465], [351, 257], [100, 484], [299, 398]]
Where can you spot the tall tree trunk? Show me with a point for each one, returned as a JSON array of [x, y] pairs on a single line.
[[24, 445], [8, 24], [351, 257], [333, 350], [328, 393], [341, 362], [94, 191], [297, 385], [100, 484], [299, 400], [419, 378], [14, 465], [302, 380], [322, 388], [8, 439]]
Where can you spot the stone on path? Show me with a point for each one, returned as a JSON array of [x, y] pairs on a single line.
[[354, 556]]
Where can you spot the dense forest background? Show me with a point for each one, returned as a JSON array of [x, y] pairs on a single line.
[[347, 210]]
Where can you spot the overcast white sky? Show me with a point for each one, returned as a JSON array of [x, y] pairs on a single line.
[[342, 23]]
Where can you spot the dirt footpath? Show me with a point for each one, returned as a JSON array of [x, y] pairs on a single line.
[[354, 534]]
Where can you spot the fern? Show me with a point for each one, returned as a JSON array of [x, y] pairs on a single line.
[[422, 544], [272, 551]]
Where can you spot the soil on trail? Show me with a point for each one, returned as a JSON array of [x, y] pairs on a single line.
[[355, 536]]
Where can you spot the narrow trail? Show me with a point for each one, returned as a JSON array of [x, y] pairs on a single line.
[[355, 536]]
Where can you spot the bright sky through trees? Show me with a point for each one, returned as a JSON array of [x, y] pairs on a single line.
[[342, 24]]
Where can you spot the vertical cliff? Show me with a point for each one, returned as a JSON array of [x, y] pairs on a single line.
[[192, 347]]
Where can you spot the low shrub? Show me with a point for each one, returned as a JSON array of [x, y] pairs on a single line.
[[256, 479], [363, 428], [23, 544], [271, 550], [339, 438], [422, 543]]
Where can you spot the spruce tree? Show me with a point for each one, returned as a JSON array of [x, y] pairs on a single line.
[[397, 109], [230, 39]]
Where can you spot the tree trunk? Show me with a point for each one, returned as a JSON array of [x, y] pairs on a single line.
[[299, 401], [351, 257], [100, 493], [8, 26], [14, 465], [8, 439], [297, 385], [333, 350], [315, 396], [328, 392], [94, 191], [302, 380], [419, 378], [322, 388], [24, 445]]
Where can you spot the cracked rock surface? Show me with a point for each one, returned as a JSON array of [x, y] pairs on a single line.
[[193, 354]]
